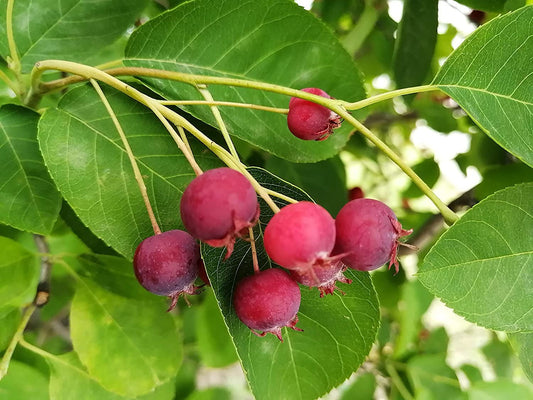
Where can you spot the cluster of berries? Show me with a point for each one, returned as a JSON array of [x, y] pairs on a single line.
[[314, 249]]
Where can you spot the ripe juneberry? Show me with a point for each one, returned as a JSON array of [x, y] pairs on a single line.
[[267, 301], [218, 206], [324, 277], [311, 121], [368, 233], [167, 264], [300, 236]]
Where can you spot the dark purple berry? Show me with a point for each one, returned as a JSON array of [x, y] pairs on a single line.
[[267, 301], [367, 234], [218, 206], [167, 264]]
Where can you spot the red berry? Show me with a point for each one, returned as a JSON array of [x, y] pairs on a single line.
[[268, 301], [322, 276], [219, 205], [368, 233], [300, 235], [311, 121], [167, 264]]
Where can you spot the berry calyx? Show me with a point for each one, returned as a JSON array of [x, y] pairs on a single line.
[[368, 232], [267, 301], [310, 121], [300, 236], [167, 264], [218, 206], [322, 276]]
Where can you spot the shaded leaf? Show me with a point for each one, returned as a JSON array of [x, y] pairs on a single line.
[[214, 343], [9, 320], [523, 345], [362, 389], [274, 41], [499, 390], [88, 162], [324, 181], [68, 29], [482, 267], [415, 43], [429, 171], [499, 355], [19, 273], [338, 329], [414, 302], [432, 378], [141, 337], [500, 177], [29, 199], [491, 77]]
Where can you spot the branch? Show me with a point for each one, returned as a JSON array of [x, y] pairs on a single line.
[[43, 288]]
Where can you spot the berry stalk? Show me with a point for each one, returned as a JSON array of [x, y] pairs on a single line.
[[136, 171], [218, 117], [17, 337], [223, 103]]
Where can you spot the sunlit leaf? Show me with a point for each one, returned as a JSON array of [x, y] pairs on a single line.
[[491, 77], [273, 41], [482, 267]]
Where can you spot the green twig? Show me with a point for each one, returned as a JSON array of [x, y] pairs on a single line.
[[224, 103], [6, 358], [397, 381], [388, 95], [131, 156], [8, 82], [449, 216], [220, 121], [88, 72], [13, 62]]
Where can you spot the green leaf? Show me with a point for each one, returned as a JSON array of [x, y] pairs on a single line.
[[500, 356], [273, 41], [338, 329], [429, 171], [502, 176], [29, 199], [472, 373], [415, 43], [432, 378], [485, 5], [324, 181], [499, 390], [362, 389], [414, 302], [491, 77], [9, 320], [19, 273], [23, 382], [139, 347], [86, 158], [522, 343], [214, 393], [214, 343], [70, 380], [68, 29], [482, 267]]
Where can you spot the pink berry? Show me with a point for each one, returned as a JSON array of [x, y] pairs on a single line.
[[300, 236], [311, 121], [322, 276], [267, 301], [167, 264], [218, 206], [368, 233]]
